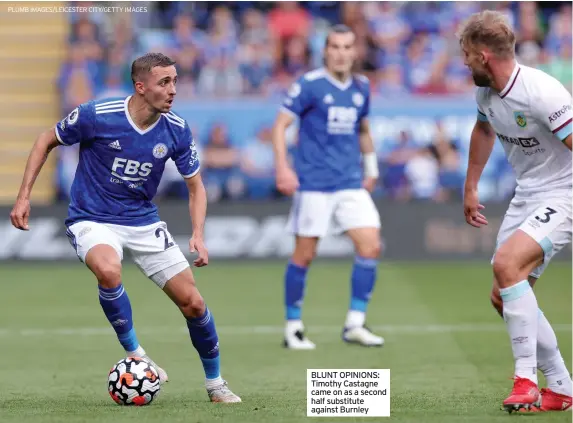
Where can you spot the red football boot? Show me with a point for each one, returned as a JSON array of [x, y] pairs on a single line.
[[524, 395], [552, 401]]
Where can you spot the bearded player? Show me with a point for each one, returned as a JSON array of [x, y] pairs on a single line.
[[124, 144], [530, 112]]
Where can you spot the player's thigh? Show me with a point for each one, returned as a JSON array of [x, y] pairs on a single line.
[[86, 235], [154, 251], [366, 241], [100, 248], [310, 214], [355, 209], [183, 292], [537, 238]]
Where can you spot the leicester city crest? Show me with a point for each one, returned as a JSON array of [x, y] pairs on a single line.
[[160, 151], [520, 119], [358, 99]]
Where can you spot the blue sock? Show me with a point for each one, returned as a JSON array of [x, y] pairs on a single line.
[[295, 280], [117, 308], [205, 340], [363, 279]]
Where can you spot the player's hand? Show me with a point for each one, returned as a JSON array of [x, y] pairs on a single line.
[[369, 184], [287, 181], [472, 208], [20, 213], [196, 244]]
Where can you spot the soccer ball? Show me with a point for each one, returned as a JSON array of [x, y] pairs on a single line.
[[133, 381]]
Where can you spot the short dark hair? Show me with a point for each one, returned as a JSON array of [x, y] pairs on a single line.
[[144, 64], [337, 29]]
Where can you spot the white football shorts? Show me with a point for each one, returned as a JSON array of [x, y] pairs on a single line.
[[152, 247], [317, 214], [547, 220]]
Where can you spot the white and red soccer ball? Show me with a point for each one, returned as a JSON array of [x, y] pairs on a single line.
[[133, 381]]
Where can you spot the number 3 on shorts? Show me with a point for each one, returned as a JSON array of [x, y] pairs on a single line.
[[547, 215], [168, 244]]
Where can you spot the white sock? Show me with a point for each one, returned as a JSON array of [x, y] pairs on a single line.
[[549, 359], [213, 383], [292, 326], [521, 318], [355, 319], [139, 352]]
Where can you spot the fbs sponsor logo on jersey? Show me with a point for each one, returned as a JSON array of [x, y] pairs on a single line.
[[130, 171], [341, 120], [556, 115], [520, 119]]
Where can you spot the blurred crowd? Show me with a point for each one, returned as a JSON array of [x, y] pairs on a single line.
[[256, 49]]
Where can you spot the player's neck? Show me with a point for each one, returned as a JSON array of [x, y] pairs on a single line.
[[339, 76], [140, 113], [502, 74]]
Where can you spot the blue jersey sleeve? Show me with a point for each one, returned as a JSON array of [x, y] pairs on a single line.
[[78, 126], [186, 157], [298, 99]]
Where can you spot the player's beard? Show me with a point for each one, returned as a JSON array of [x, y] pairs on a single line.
[[481, 79]]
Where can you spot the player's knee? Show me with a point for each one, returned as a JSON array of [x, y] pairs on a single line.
[[109, 275], [192, 306], [371, 249], [505, 268], [303, 257]]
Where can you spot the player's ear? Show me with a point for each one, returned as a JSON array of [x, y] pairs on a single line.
[[139, 87]]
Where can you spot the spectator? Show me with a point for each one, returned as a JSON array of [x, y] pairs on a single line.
[[76, 79], [255, 67], [220, 75], [422, 174], [257, 163], [220, 163]]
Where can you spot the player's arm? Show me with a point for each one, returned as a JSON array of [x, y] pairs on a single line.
[[481, 145], [282, 122], [567, 141], [368, 154], [45, 143], [294, 105], [186, 158], [78, 126], [198, 213]]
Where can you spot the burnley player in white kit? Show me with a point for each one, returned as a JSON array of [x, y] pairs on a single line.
[[329, 184], [124, 145], [530, 112]]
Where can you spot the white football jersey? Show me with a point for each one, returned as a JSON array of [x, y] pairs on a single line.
[[532, 116]]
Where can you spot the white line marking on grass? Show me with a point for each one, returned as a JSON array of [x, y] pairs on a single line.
[[265, 330]]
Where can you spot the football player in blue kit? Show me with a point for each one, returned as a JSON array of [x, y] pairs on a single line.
[[329, 182], [124, 144]]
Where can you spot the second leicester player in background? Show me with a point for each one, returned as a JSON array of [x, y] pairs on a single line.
[[329, 187]]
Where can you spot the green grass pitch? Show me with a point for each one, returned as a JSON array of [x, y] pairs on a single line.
[[448, 352]]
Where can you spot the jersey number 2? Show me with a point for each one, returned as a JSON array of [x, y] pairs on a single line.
[[546, 217], [168, 244]]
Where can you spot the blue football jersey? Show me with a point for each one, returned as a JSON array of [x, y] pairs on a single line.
[[328, 157], [120, 165]]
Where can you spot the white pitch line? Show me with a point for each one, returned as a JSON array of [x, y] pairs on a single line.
[[266, 330]]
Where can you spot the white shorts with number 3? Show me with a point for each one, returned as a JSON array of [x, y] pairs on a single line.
[[152, 247], [546, 220]]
